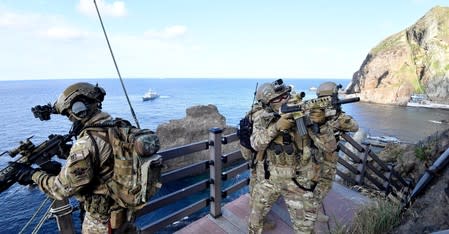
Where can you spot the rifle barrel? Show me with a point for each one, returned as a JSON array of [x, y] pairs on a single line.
[[348, 100]]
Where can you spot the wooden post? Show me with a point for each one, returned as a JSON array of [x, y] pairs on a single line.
[[62, 211], [215, 171], [362, 167]]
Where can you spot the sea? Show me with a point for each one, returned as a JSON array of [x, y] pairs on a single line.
[[233, 97]]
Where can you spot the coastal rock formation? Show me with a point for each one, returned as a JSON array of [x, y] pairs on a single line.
[[415, 60], [429, 212], [191, 129]]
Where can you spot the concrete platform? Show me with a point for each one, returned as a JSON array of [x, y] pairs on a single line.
[[340, 205]]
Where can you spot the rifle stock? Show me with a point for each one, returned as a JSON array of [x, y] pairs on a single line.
[[56, 145]]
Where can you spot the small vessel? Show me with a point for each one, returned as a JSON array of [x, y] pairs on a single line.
[[313, 88], [418, 99], [421, 100], [382, 141], [150, 95]]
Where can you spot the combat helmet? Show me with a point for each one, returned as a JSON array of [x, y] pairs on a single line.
[[269, 91], [327, 89], [82, 91]]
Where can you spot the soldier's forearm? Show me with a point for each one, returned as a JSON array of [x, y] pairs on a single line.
[[45, 182], [262, 137]]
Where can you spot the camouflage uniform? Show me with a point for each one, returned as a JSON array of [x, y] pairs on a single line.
[[326, 150], [331, 121], [82, 175], [284, 157]]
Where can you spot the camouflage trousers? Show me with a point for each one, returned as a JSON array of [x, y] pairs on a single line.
[[252, 180], [256, 174], [302, 205], [327, 175], [94, 225]]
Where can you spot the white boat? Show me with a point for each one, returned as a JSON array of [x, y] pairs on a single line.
[[313, 88], [382, 141], [150, 95]]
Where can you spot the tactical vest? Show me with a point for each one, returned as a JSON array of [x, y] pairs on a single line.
[[293, 157]]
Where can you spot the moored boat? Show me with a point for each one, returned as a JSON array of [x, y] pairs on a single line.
[[150, 95]]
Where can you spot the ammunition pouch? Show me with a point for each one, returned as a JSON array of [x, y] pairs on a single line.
[[282, 155], [98, 205]]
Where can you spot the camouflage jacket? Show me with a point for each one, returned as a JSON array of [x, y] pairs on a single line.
[[264, 129], [344, 122], [83, 168]]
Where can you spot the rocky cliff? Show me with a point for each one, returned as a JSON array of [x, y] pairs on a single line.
[[429, 212], [415, 60], [191, 129]]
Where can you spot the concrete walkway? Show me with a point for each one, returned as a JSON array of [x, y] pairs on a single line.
[[340, 205]]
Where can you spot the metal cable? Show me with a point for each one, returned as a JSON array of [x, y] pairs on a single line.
[[116, 67], [34, 215], [43, 219]]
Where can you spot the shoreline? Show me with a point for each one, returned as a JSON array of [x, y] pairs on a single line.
[[429, 105], [425, 104]]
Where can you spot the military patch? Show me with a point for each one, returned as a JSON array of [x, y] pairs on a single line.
[[76, 156], [79, 171]]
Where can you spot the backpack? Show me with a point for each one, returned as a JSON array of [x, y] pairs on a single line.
[[137, 169], [244, 131]]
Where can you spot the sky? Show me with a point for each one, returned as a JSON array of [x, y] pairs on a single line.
[[54, 39]]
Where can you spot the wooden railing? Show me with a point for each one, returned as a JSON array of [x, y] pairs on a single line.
[[369, 170], [383, 176], [215, 164]]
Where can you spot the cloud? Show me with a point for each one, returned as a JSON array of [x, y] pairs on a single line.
[[46, 26], [171, 32], [64, 33], [115, 9], [14, 20]]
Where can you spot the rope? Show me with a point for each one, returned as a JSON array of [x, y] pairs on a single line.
[[34, 215], [53, 212], [116, 66], [43, 219], [61, 211]]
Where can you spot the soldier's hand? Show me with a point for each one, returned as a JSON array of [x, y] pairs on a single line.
[[317, 116], [23, 173], [51, 167], [285, 122]]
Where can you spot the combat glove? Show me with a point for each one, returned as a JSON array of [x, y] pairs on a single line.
[[24, 173], [285, 122], [317, 116], [51, 167]]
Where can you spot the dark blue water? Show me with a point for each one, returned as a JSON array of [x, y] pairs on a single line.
[[233, 97]]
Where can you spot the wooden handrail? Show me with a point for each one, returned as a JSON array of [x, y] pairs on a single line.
[[392, 181]]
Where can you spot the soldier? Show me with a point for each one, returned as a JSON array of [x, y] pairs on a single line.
[[332, 122], [89, 164], [249, 154], [281, 152]]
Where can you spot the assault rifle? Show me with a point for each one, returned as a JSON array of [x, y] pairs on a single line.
[[300, 109], [58, 145]]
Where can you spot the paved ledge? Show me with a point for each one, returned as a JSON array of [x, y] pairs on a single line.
[[340, 205]]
